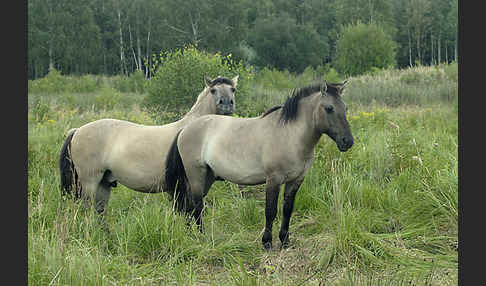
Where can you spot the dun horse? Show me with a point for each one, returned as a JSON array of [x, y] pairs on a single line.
[[96, 156], [276, 148]]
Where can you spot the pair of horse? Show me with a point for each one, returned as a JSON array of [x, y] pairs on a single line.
[[185, 157]]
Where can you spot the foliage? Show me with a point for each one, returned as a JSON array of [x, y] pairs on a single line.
[[54, 83], [362, 47], [120, 37], [135, 82], [283, 44], [179, 78]]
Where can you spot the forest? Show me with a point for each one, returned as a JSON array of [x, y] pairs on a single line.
[[118, 37]]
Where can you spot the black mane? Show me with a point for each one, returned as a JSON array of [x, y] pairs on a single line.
[[290, 107], [221, 80]]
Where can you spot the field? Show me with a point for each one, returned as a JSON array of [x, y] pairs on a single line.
[[383, 213]]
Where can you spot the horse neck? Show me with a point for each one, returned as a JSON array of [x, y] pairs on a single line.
[[303, 128], [202, 107]]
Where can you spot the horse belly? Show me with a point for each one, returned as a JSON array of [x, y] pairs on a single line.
[[238, 171], [139, 164], [139, 178]]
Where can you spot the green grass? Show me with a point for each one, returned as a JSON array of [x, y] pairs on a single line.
[[383, 213]]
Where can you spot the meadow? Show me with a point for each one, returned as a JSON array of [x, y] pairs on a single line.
[[383, 213]]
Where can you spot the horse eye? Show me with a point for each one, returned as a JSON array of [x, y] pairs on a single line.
[[233, 90], [213, 90], [329, 108]]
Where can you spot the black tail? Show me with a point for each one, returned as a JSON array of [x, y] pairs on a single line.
[[66, 167], [175, 178]]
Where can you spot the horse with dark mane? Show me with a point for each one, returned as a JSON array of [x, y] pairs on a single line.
[[275, 148]]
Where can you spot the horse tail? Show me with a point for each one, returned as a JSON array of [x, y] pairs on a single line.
[[66, 166], [176, 179]]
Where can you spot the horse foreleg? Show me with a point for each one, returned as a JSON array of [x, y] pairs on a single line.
[[291, 189], [272, 189]]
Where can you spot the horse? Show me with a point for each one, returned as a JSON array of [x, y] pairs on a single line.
[[275, 148], [97, 155]]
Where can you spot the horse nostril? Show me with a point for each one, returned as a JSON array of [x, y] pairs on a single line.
[[220, 101], [231, 102], [348, 141], [345, 141]]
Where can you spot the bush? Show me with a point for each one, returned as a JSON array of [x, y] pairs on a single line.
[[53, 82], [179, 78], [107, 99], [135, 82], [363, 48], [275, 79]]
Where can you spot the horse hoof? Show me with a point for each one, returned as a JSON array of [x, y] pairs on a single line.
[[285, 245], [267, 246]]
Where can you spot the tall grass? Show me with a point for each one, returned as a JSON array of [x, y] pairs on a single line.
[[383, 213]]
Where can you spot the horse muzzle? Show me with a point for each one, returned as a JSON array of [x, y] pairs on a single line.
[[344, 143], [225, 109]]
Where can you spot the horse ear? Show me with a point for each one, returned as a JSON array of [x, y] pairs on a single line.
[[235, 80], [324, 87], [341, 86], [207, 81]]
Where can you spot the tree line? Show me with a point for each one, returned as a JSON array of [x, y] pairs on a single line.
[[121, 36]]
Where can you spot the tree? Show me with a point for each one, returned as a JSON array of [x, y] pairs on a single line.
[[361, 47], [281, 43], [451, 28]]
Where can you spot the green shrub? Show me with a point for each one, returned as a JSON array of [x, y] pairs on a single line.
[[361, 47], [135, 82], [40, 110], [83, 84], [107, 99], [332, 76], [53, 82], [179, 78], [275, 79]]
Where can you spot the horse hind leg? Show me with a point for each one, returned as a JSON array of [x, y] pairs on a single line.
[[103, 192], [92, 189], [199, 180]]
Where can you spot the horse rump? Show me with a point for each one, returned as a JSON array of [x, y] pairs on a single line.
[[69, 176], [175, 178]]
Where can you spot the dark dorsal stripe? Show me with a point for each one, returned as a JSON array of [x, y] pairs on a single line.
[[271, 110], [221, 80]]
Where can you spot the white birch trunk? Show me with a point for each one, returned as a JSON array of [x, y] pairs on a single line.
[[431, 49], [147, 68], [409, 48], [438, 49], [122, 60]]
